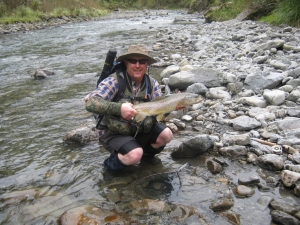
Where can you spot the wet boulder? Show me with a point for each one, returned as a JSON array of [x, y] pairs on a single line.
[[242, 191], [270, 162], [42, 73], [289, 178], [245, 123], [89, 214], [83, 134], [234, 151], [194, 146], [284, 218]]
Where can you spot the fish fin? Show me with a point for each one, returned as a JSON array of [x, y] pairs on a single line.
[[158, 98], [160, 117], [179, 107]]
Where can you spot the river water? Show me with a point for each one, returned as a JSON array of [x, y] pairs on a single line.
[[40, 176]]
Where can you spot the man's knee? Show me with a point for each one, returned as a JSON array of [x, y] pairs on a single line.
[[132, 157], [164, 137]]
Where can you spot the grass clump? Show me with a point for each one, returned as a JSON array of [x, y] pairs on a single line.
[[21, 14], [287, 12], [226, 10]]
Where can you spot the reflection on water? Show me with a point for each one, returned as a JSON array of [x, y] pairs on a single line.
[[40, 176], [36, 114]]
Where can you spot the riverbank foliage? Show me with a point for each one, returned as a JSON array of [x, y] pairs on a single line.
[[272, 11]]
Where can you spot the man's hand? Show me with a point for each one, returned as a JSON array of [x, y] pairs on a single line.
[[127, 112]]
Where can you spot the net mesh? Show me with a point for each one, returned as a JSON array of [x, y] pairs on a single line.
[[159, 186]]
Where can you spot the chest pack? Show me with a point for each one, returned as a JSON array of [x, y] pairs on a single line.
[[118, 71]]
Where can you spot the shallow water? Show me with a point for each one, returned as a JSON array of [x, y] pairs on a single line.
[[40, 176]]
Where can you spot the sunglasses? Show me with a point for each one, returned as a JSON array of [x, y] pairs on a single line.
[[134, 61]]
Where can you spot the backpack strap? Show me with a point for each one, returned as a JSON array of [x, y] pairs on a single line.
[[122, 85]]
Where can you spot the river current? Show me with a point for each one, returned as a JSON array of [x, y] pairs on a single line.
[[40, 176], [36, 114]]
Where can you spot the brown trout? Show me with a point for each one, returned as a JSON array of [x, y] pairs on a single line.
[[158, 107]]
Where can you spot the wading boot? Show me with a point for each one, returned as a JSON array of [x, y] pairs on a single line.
[[151, 159], [113, 164]]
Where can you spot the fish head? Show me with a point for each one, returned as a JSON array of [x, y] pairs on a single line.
[[192, 98]]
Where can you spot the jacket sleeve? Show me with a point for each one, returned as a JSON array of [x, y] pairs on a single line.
[[98, 105]]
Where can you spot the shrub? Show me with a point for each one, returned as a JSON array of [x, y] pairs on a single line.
[[35, 4]]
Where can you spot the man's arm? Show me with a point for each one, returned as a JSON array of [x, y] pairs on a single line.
[[99, 101], [98, 105]]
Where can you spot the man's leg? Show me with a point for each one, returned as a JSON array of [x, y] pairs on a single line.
[[124, 150], [154, 142]]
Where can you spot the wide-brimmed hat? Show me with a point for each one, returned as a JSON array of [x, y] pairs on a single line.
[[137, 50]]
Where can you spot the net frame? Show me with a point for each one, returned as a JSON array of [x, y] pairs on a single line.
[[153, 184]]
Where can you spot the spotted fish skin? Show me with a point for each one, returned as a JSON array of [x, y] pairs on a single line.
[[165, 105]]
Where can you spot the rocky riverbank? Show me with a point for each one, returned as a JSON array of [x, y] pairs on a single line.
[[249, 76], [49, 21]]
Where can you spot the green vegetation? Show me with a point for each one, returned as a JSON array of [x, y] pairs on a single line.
[[272, 11], [287, 12], [226, 10]]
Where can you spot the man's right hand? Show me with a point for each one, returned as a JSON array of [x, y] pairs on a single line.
[[127, 112]]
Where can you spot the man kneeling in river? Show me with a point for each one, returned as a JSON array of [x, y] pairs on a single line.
[[128, 142]]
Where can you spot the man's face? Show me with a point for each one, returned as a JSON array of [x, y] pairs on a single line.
[[136, 67]]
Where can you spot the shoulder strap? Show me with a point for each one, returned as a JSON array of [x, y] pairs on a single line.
[[122, 85], [149, 83]]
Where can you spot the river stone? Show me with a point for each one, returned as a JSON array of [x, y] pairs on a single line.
[[209, 77], [180, 212], [274, 97], [197, 88], [233, 217], [194, 146], [213, 166], [278, 65], [264, 148], [239, 139], [253, 101], [294, 96], [259, 81], [83, 134], [235, 88], [286, 88], [186, 118], [249, 180], [179, 124], [291, 167], [260, 59], [149, 206], [270, 162], [296, 157], [271, 44], [295, 73], [243, 191], [261, 113], [288, 123], [251, 157], [297, 193], [263, 202], [217, 93], [42, 73], [181, 80], [221, 205], [289, 178], [244, 123], [167, 72], [294, 82], [284, 207], [284, 218], [89, 214], [235, 151]]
